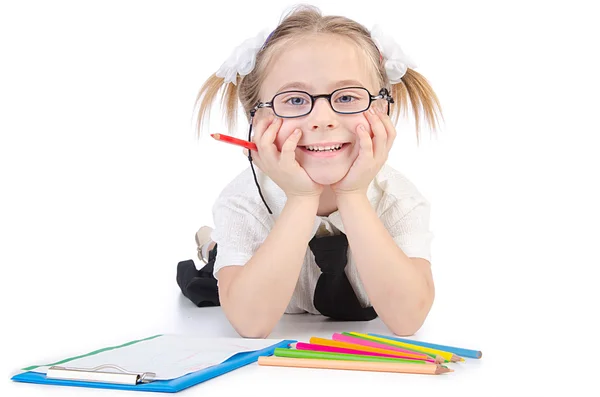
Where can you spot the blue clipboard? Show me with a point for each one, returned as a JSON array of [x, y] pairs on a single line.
[[166, 386]]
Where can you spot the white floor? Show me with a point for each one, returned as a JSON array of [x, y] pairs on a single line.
[[515, 360]]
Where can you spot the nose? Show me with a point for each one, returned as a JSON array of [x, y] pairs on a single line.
[[322, 116]]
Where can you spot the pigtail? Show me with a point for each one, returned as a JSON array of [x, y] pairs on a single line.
[[416, 90], [207, 95]]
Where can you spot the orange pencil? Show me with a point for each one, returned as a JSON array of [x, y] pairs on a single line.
[[235, 141], [429, 369]]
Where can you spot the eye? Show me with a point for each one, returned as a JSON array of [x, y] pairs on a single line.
[[347, 98], [296, 101]]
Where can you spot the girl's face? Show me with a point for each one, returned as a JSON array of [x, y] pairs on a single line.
[[319, 65]]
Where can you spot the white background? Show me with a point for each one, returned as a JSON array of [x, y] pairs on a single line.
[[104, 183]]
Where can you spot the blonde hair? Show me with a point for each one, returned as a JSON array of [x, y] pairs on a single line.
[[306, 20]]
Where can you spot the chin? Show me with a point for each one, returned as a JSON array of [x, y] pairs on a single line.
[[325, 177]]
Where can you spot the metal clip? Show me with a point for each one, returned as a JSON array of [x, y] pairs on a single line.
[[122, 377]]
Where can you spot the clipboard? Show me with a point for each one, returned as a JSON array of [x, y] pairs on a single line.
[[110, 376]]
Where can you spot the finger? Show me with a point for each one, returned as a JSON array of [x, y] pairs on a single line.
[[256, 159], [271, 132], [254, 154], [265, 143], [389, 127], [379, 134], [365, 143], [288, 150], [260, 126]]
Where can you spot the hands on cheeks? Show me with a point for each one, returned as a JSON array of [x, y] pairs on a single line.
[[284, 170], [372, 154]]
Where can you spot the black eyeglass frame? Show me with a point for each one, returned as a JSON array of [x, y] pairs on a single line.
[[383, 94]]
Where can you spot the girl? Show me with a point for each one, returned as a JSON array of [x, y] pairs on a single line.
[[322, 225]]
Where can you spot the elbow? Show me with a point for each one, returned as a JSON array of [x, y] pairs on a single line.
[[405, 330], [409, 323], [250, 325], [406, 325], [253, 331]]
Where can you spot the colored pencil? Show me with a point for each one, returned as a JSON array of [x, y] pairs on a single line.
[[438, 359], [429, 369], [447, 355], [333, 343], [295, 353], [456, 350], [370, 343], [341, 350], [235, 141]]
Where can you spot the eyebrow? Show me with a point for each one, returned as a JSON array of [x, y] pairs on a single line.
[[307, 87]]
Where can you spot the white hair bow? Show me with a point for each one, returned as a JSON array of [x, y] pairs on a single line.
[[396, 61], [243, 58]]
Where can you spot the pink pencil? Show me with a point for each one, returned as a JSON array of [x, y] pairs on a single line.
[[364, 342], [331, 349]]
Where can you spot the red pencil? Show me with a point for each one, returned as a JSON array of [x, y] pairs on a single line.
[[235, 141]]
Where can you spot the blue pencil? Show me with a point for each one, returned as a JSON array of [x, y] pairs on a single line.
[[456, 350]]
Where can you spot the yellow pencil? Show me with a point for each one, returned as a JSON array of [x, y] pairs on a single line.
[[446, 355]]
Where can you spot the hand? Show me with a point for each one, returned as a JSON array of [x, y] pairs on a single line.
[[281, 167], [373, 153]]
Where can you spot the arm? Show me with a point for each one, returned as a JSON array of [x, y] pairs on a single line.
[[255, 296], [400, 288]]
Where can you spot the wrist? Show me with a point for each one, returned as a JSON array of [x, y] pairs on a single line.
[[350, 199], [302, 201]]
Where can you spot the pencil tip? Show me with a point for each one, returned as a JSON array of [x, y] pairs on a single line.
[[442, 370]]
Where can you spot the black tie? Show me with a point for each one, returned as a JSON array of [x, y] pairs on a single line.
[[334, 295]]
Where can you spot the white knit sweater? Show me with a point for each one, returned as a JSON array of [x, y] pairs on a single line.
[[242, 223]]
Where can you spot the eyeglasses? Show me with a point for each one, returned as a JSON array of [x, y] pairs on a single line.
[[292, 104], [348, 100]]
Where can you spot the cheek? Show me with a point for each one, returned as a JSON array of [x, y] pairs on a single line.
[[359, 119], [284, 133]]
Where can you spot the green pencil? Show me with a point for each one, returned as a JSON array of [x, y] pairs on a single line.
[[293, 353]]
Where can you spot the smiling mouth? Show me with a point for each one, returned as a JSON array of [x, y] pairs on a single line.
[[324, 148], [324, 152]]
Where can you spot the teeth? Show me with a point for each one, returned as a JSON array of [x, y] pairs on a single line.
[[323, 148]]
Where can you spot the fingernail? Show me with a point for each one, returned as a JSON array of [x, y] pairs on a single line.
[[372, 111]]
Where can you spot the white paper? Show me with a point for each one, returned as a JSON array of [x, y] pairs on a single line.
[[170, 356]]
